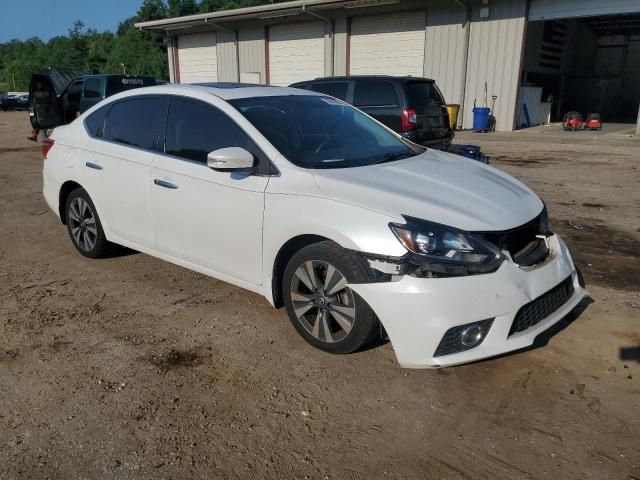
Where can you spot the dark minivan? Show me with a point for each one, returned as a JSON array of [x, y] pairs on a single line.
[[411, 106], [55, 99]]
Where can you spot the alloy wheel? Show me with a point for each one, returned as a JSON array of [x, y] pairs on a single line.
[[322, 302], [83, 224]]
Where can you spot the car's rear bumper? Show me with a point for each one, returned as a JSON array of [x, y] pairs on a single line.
[[416, 312], [51, 190], [438, 143]]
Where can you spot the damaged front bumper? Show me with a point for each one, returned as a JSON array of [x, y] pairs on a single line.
[[418, 312]]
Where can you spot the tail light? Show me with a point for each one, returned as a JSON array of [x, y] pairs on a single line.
[[47, 143], [409, 120]]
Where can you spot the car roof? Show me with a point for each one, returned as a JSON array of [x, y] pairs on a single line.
[[226, 90]]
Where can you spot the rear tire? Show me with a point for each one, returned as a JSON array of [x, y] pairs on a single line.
[[324, 311], [83, 225]]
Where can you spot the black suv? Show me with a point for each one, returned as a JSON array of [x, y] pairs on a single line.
[[411, 106], [57, 98]]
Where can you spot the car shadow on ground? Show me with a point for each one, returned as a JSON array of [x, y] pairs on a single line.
[[630, 354], [118, 251]]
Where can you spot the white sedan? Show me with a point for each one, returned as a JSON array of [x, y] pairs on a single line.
[[308, 201]]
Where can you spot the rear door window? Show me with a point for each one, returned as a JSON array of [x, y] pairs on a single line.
[[134, 122], [92, 88], [194, 129], [374, 93], [335, 89]]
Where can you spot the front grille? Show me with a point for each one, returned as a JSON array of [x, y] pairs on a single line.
[[516, 239], [537, 310]]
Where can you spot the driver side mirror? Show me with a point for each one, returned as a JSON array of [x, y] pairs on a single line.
[[231, 159]]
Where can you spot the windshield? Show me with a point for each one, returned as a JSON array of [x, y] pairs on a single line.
[[322, 132]]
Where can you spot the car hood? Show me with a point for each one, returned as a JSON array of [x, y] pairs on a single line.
[[435, 186]]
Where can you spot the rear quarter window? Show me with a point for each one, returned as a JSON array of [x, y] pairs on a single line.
[[422, 94], [94, 123]]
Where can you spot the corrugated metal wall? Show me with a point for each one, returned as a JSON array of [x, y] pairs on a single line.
[[340, 46], [227, 56], [445, 48], [495, 52], [251, 50]]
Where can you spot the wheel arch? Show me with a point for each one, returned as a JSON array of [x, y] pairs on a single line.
[[66, 188], [286, 251]]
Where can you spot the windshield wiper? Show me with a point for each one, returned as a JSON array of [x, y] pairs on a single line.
[[391, 156]]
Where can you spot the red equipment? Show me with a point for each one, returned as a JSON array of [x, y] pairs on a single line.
[[593, 122], [573, 121]]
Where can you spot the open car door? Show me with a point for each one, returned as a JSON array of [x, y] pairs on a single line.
[[45, 88]]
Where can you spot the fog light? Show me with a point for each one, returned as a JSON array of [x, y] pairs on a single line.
[[463, 337], [472, 336]]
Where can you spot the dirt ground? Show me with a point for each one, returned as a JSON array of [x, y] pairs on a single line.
[[130, 367]]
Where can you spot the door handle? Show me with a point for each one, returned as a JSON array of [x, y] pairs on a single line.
[[162, 183], [95, 166]]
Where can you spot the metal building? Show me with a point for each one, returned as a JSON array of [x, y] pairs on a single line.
[[474, 49]]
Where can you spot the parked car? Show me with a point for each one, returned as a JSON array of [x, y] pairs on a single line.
[[22, 102], [412, 106], [304, 199], [56, 102], [7, 102], [13, 102]]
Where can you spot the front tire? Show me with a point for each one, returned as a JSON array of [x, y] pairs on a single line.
[[322, 308], [83, 225]]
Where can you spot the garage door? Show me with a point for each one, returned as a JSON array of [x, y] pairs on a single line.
[[296, 52], [197, 57], [556, 9], [388, 45]]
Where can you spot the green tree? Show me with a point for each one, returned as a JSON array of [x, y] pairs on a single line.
[[179, 8]]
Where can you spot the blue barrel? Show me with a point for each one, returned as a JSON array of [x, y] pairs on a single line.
[[481, 118]]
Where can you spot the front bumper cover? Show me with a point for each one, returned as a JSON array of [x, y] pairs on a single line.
[[416, 312]]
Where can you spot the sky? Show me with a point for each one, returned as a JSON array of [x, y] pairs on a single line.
[[48, 18]]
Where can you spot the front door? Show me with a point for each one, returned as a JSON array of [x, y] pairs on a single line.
[[210, 219]]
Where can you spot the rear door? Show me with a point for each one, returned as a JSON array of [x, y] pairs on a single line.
[[380, 99], [431, 111], [44, 107], [117, 162]]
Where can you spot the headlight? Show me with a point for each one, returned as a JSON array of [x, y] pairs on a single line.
[[447, 250]]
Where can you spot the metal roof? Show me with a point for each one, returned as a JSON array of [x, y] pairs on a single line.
[[262, 12]]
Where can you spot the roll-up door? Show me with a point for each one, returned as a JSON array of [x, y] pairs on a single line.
[[388, 44]]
